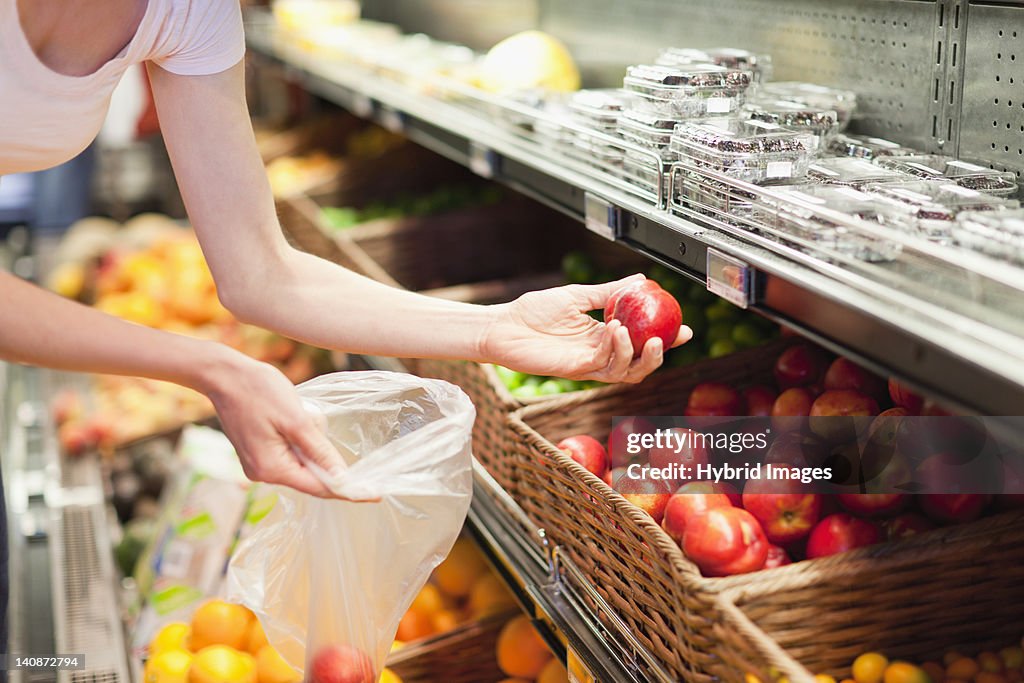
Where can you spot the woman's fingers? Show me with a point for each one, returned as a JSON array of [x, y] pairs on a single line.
[[685, 335], [590, 297], [649, 361]]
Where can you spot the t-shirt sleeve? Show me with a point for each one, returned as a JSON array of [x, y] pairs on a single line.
[[209, 39]]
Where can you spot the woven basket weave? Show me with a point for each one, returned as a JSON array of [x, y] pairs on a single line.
[[463, 655]]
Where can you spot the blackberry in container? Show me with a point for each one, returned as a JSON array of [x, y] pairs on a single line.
[[865, 147], [647, 129], [754, 151], [964, 174], [759, 65], [853, 172], [843, 102], [687, 92], [823, 123], [998, 234]]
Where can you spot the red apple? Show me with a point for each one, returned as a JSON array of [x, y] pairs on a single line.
[[953, 508], [618, 440], [683, 504], [841, 403], [777, 557], [341, 664], [723, 487], [796, 450], [839, 533], [906, 525], [800, 366], [794, 402], [904, 398], [587, 451], [873, 504], [759, 400], [845, 374], [647, 311], [783, 507], [725, 541], [692, 454], [612, 476], [714, 399], [650, 495]]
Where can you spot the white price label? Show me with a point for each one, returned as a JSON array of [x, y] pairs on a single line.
[[600, 216], [362, 106], [728, 277], [780, 169], [719, 105]]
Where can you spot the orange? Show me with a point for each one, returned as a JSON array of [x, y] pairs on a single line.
[[553, 672], [255, 638], [168, 666], [219, 623], [271, 667], [1013, 657], [414, 625], [521, 651], [751, 678], [222, 664], [173, 636], [847, 680], [456, 575], [388, 676], [934, 671], [428, 600], [824, 678], [991, 662], [905, 672], [444, 621], [951, 657], [869, 667], [964, 668], [490, 595]]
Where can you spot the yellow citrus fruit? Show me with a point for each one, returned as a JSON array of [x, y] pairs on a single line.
[[869, 668], [414, 625], [219, 623], [386, 676], [222, 664], [824, 678], [964, 668], [751, 678], [397, 645], [255, 638], [271, 667], [168, 666], [521, 651], [553, 672], [905, 672], [490, 595], [173, 636], [456, 575], [428, 600]]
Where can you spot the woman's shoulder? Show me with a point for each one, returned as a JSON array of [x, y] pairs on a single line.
[[196, 37]]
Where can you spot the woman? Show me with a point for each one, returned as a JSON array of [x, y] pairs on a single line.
[[59, 63]]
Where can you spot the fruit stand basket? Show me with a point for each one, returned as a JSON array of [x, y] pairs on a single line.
[[814, 615], [464, 655]]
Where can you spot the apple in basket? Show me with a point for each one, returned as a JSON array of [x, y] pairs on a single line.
[[801, 366], [723, 541], [691, 498], [587, 451], [841, 532], [341, 664], [785, 508], [646, 311]]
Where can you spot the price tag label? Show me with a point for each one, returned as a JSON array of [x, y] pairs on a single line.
[[601, 216], [729, 278], [393, 120], [719, 105], [362, 106], [779, 169], [482, 161]]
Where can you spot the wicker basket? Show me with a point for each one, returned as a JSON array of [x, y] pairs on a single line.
[[463, 655]]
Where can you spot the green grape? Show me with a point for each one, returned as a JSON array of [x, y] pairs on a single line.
[[549, 388], [533, 380], [722, 347], [746, 335], [339, 217], [695, 319], [684, 355], [526, 391], [721, 310], [578, 267], [569, 385]]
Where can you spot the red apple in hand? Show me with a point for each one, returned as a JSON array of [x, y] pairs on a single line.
[[784, 508], [873, 504], [759, 400], [777, 557], [683, 504], [841, 532], [725, 541], [341, 664], [647, 311], [587, 451], [650, 495], [906, 525], [905, 398], [618, 441], [800, 366], [714, 399]]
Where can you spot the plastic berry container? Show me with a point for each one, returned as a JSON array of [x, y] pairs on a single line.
[[999, 234], [647, 129], [964, 174], [599, 109], [865, 147], [689, 91], [843, 102], [759, 65], [754, 151], [642, 172], [853, 172], [821, 122]]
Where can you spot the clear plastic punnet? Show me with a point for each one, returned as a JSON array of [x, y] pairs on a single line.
[[853, 172], [866, 147], [690, 91], [599, 109], [648, 129], [998, 234], [759, 65], [843, 102], [821, 122], [963, 173], [754, 151], [330, 578]]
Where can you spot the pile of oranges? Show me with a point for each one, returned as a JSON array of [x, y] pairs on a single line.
[[224, 644], [462, 588], [1005, 666], [524, 657]]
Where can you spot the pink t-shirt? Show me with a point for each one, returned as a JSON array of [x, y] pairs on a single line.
[[47, 118]]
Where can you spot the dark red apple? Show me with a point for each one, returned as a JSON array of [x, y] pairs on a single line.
[[835, 405], [723, 541], [692, 454], [759, 400], [682, 504], [905, 398], [845, 374], [796, 450], [906, 525], [647, 311], [587, 451], [341, 664], [723, 487], [794, 402], [618, 441], [873, 504], [650, 495], [953, 508], [841, 532], [612, 476], [800, 366], [784, 508], [714, 399], [777, 557]]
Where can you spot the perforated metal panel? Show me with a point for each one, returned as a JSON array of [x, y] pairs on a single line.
[[992, 119], [885, 51]]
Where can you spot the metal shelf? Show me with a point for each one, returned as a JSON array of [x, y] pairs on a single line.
[[969, 364]]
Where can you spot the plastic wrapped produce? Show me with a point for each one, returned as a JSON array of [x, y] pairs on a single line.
[[999, 234], [821, 122], [759, 65], [690, 91], [649, 130], [852, 172], [843, 102], [865, 147], [935, 204], [754, 151], [971, 176], [599, 109]]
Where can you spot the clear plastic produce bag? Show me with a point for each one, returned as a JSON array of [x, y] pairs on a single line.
[[326, 576]]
